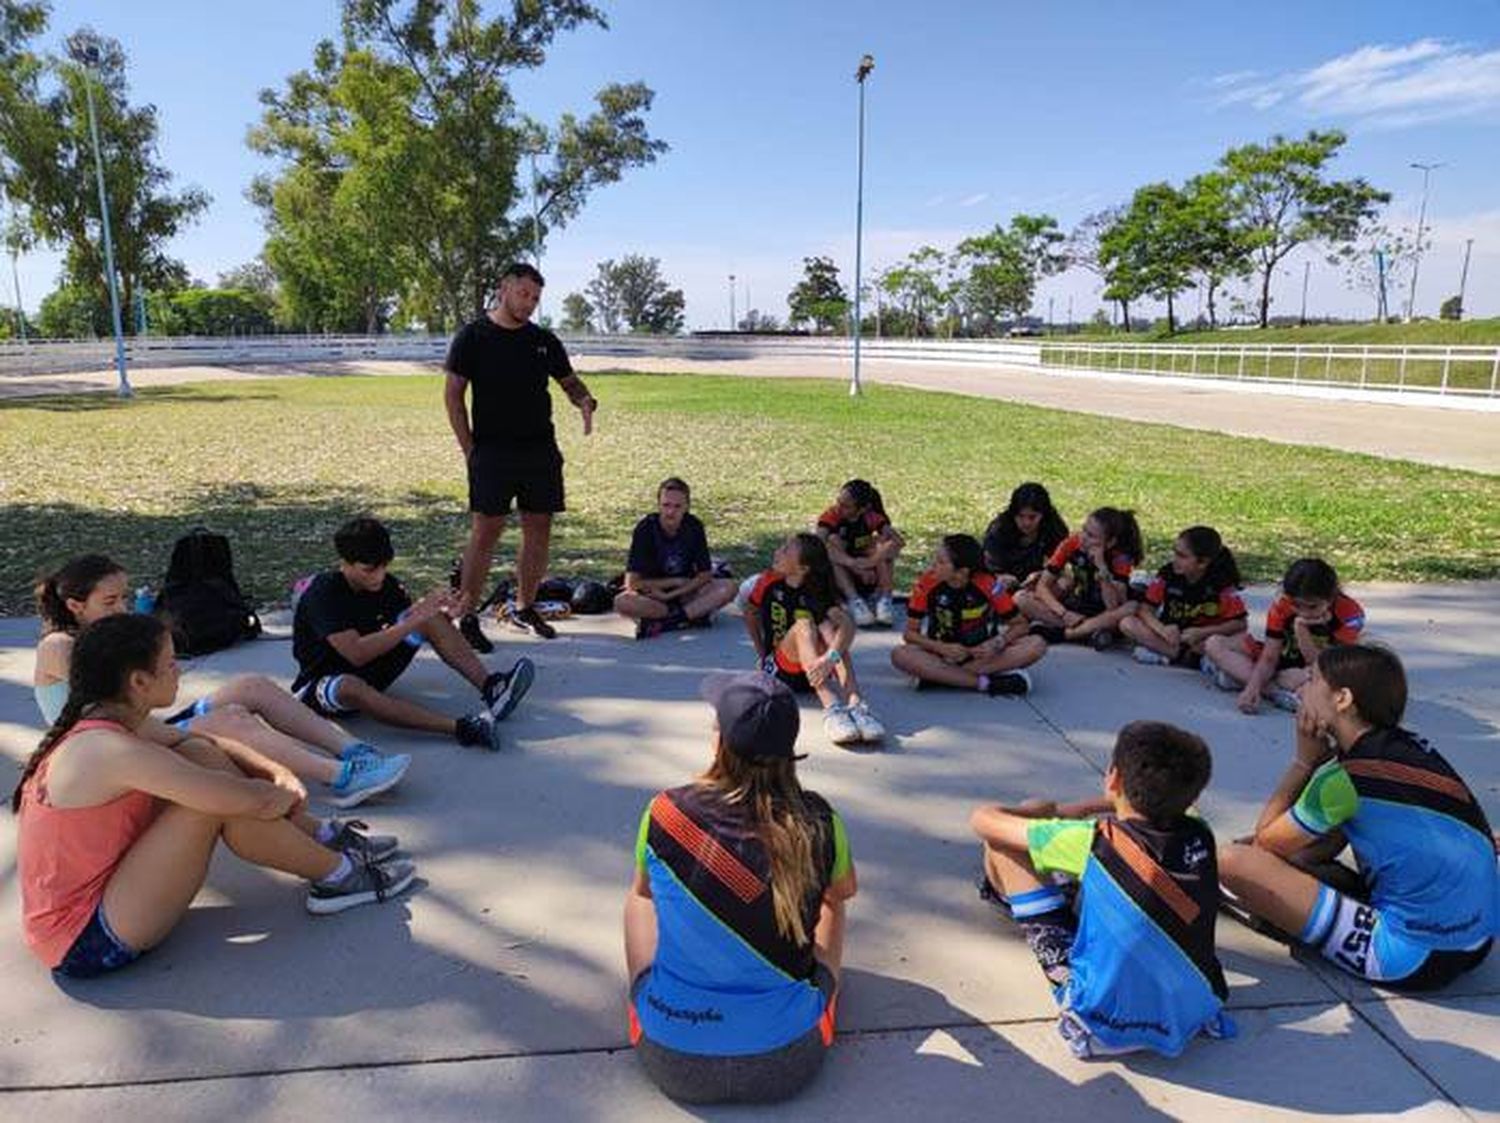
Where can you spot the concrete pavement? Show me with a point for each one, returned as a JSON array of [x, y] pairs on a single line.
[[495, 988]]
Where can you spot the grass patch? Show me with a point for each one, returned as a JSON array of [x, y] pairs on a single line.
[[278, 464], [1481, 333]]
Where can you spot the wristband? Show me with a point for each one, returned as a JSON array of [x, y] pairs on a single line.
[[834, 656]]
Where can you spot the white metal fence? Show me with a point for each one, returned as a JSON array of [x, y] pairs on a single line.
[[1408, 372]]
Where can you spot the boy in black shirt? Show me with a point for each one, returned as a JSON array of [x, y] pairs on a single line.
[[356, 630], [509, 444], [669, 582]]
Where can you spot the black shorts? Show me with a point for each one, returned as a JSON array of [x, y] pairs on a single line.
[[529, 476]]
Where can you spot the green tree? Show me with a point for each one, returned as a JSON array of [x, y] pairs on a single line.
[[1452, 309], [415, 113], [73, 311], [818, 298], [1280, 200], [632, 294], [1217, 249], [1081, 247], [1377, 263], [47, 162], [578, 313], [918, 289], [1004, 265], [1149, 250], [252, 276]]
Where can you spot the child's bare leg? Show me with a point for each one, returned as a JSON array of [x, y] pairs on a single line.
[[454, 650], [1230, 657], [1269, 886], [1013, 656], [283, 712], [843, 577], [928, 667], [238, 724], [709, 599], [1034, 608], [844, 669], [1139, 631], [638, 606], [1109, 618], [356, 694], [803, 645]]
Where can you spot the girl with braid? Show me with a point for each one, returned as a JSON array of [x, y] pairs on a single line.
[[116, 831]]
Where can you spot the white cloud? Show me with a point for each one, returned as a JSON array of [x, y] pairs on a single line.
[[1389, 86], [974, 200]]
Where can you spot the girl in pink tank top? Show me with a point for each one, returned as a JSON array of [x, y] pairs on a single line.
[[91, 901]]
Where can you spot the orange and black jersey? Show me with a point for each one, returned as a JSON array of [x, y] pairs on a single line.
[[968, 615], [780, 606], [1192, 604], [858, 534], [1343, 626], [1071, 555]]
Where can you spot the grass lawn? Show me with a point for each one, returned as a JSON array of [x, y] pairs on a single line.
[[277, 464], [1483, 333]]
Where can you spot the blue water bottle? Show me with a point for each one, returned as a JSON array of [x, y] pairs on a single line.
[[145, 600]]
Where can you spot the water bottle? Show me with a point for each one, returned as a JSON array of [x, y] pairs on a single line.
[[145, 600]]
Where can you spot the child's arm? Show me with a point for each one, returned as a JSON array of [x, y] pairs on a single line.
[[756, 632], [1306, 644], [1047, 593], [54, 655], [1195, 635], [1275, 829], [1169, 632], [360, 650]]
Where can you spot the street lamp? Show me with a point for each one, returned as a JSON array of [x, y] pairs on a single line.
[[1416, 263], [731, 302], [86, 54], [866, 65]]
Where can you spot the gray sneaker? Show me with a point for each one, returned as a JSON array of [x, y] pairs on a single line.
[[366, 883], [349, 836]]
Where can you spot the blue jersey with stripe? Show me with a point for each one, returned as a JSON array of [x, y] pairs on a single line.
[[1143, 970], [1421, 839]]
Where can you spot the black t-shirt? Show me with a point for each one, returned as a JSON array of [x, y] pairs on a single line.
[[508, 369], [1003, 554], [654, 554], [330, 605], [780, 606]]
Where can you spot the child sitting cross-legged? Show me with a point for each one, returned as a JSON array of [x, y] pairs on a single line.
[[953, 632], [1131, 958]]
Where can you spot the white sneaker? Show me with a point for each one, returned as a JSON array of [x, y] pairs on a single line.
[[867, 723], [885, 611], [1143, 654], [1284, 699], [860, 611], [839, 726]]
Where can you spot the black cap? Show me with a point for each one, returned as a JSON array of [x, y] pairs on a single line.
[[758, 715]]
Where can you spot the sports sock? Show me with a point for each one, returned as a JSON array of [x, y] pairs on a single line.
[[345, 868], [325, 832], [984, 684]]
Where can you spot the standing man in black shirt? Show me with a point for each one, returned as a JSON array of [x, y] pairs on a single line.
[[510, 446]]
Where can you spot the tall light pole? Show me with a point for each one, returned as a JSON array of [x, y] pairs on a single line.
[[1416, 263], [1306, 269], [86, 54], [1463, 277], [866, 65], [731, 302]]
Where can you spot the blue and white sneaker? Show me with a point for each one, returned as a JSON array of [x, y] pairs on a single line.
[[503, 693], [1217, 675], [365, 775]]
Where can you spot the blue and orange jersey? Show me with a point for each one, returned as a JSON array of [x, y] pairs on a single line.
[[858, 534], [968, 615], [1420, 838], [1192, 604], [726, 981], [1144, 973], [1343, 626], [1071, 555]]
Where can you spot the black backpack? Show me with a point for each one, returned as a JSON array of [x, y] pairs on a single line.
[[200, 598]]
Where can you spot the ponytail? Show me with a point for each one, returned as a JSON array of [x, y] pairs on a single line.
[[106, 654], [75, 580], [813, 554], [785, 825]]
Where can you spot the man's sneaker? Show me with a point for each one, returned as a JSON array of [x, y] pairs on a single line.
[[1217, 674], [1013, 683], [870, 729], [1049, 632], [885, 610], [1143, 654], [1284, 699], [365, 884], [529, 619], [1103, 639], [348, 836], [650, 629], [365, 775], [503, 692], [468, 627], [859, 611], [839, 726], [478, 730]]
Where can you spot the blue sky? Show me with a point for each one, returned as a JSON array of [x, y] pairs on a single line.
[[975, 111]]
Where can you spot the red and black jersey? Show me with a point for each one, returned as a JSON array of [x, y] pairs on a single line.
[[1343, 626], [858, 534], [968, 615], [780, 606], [1071, 555], [1192, 604]]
